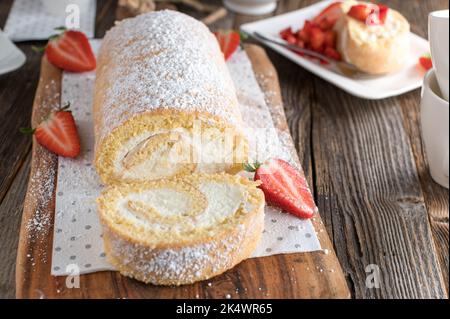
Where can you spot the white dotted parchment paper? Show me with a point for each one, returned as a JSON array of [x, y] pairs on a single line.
[[77, 241], [28, 20]]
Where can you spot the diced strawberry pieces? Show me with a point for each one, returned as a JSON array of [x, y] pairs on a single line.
[[332, 53], [301, 44], [286, 33], [309, 25], [317, 39], [426, 62], [291, 39], [330, 39], [325, 25], [228, 42], [318, 34], [303, 34], [286, 188]]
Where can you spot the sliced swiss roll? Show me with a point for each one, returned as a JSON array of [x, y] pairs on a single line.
[[164, 103], [179, 231]]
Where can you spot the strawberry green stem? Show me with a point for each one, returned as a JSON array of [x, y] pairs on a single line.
[[252, 167], [38, 49], [65, 107], [27, 130]]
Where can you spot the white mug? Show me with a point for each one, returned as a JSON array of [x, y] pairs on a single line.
[[251, 7], [435, 129], [438, 36]]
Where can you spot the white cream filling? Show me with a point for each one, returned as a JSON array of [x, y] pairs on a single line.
[[141, 171], [372, 34], [208, 155], [166, 201], [223, 201]]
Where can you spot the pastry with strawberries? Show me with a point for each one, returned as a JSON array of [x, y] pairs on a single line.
[[370, 36]]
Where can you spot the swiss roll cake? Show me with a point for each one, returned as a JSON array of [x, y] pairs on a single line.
[[164, 102], [181, 230]]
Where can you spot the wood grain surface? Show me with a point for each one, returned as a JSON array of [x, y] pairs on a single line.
[[395, 217]]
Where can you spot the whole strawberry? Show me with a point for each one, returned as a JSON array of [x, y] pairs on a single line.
[[426, 62]]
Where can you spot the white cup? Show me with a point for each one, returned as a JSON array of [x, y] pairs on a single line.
[[438, 36], [251, 7], [11, 57], [58, 7], [435, 129]]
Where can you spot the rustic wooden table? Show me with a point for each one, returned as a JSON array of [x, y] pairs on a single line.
[[364, 160]]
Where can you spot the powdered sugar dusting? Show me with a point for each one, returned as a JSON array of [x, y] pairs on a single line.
[[40, 195], [187, 264], [41, 185], [157, 64], [264, 139]]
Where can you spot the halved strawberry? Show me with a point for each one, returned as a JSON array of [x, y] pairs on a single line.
[[228, 41], [360, 12], [426, 62], [71, 51], [284, 187], [328, 17], [58, 133], [382, 13], [317, 39]]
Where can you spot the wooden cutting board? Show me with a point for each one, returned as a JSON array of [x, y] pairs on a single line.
[[300, 275]]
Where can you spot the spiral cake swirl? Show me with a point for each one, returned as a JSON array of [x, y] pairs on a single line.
[[182, 230]]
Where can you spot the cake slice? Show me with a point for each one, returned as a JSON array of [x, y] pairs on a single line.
[[373, 48], [181, 230]]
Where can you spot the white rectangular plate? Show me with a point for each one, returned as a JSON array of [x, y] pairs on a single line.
[[380, 87]]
